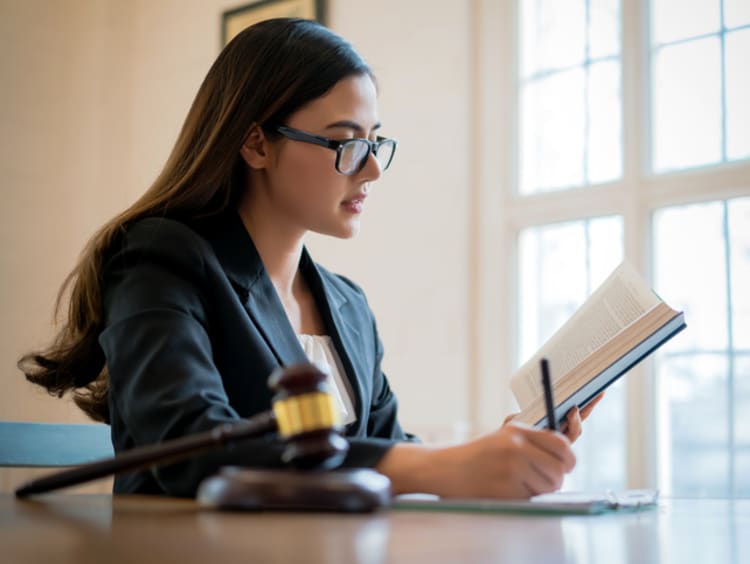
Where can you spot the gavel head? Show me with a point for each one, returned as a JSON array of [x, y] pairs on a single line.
[[308, 418]]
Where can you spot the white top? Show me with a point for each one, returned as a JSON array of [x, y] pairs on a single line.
[[321, 352]]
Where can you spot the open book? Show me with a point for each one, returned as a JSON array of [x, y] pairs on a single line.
[[621, 323]]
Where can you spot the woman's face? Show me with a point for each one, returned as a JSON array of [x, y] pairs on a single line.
[[304, 189]]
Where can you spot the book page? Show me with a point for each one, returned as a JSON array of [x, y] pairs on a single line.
[[608, 362], [621, 299]]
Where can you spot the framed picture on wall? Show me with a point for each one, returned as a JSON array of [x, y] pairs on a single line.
[[235, 20]]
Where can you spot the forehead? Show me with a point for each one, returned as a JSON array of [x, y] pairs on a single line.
[[351, 99]]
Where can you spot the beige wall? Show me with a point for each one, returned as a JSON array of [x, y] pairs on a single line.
[[94, 94], [61, 168]]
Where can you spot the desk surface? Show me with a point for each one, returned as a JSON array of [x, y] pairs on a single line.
[[100, 528]]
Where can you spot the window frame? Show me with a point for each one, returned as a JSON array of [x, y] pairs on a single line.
[[500, 213]]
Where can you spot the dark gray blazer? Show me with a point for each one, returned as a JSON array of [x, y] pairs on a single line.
[[193, 329]]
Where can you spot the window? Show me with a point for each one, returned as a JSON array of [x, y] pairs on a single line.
[[699, 84], [562, 264], [704, 379], [632, 139], [570, 94]]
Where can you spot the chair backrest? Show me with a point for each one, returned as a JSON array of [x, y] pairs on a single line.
[[53, 444]]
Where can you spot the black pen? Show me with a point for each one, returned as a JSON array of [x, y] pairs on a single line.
[[549, 399]]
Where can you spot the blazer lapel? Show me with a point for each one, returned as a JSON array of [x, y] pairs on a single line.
[[345, 336], [264, 306], [240, 260]]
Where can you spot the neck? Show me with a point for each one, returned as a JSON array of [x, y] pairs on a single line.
[[279, 246]]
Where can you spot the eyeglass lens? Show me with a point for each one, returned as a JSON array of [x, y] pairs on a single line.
[[354, 152]]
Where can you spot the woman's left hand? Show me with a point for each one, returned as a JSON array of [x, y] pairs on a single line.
[[572, 427]]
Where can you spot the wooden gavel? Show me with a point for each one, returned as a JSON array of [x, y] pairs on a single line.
[[303, 412]]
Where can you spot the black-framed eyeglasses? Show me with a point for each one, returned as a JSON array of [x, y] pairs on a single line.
[[351, 154]]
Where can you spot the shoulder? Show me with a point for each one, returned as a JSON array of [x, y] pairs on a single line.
[[163, 243], [159, 264], [163, 233]]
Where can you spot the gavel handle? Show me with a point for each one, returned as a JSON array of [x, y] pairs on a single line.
[[151, 455]]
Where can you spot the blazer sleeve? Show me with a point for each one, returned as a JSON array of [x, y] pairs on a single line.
[[383, 427], [383, 421]]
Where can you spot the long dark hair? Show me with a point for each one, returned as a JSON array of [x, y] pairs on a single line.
[[261, 77]]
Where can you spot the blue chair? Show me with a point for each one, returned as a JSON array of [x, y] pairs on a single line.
[[52, 444]]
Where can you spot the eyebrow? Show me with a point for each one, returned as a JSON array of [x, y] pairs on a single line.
[[347, 124]]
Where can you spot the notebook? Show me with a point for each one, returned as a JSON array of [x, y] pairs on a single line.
[[558, 503]]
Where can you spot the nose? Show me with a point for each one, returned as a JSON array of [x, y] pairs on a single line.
[[371, 171]]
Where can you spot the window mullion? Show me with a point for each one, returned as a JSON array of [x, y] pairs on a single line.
[[722, 44], [567, 205], [641, 448], [730, 349], [711, 183]]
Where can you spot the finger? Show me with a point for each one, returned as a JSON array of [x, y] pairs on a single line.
[[574, 428], [553, 443], [586, 411], [539, 482], [544, 472], [509, 418], [529, 489]]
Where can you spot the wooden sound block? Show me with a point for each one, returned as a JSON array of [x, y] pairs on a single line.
[[357, 490]]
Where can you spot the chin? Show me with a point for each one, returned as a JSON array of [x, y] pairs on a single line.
[[349, 234], [348, 231]]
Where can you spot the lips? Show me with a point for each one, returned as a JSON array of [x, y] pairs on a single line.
[[354, 204], [355, 200]]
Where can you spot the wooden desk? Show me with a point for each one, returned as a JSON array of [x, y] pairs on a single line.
[[98, 528]]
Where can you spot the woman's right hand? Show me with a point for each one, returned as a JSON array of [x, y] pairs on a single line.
[[514, 462]]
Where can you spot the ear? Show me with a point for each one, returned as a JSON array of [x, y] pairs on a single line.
[[254, 150]]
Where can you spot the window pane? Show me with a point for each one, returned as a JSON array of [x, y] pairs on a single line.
[[704, 374], [738, 93], [553, 35], [687, 105], [560, 265], [570, 132], [689, 270], [693, 408], [736, 13], [601, 450], [739, 233], [552, 127], [553, 280], [605, 248], [741, 397], [604, 162], [679, 19], [604, 30]]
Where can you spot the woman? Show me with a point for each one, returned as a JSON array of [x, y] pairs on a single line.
[[182, 305]]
